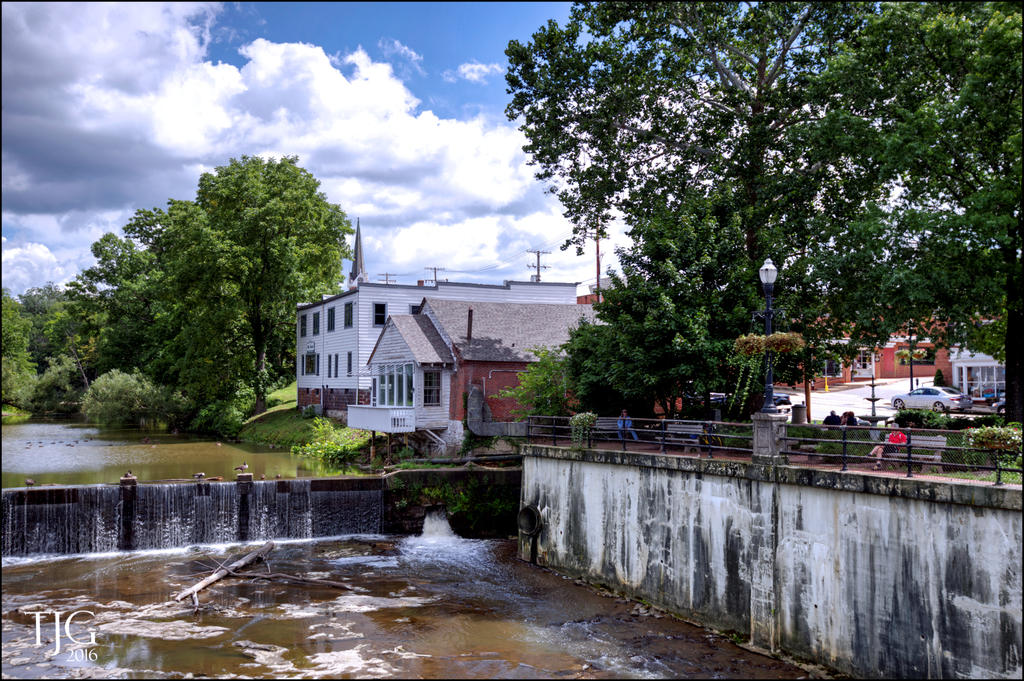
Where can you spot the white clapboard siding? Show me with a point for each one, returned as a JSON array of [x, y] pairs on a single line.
[[361, 339]]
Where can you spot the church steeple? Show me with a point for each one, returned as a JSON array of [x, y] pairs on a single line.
[[358, 272]]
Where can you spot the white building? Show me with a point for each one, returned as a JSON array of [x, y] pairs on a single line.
[[335, 336]]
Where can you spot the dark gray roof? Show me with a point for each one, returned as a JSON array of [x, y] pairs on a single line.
[[423, 340], [507, 331]]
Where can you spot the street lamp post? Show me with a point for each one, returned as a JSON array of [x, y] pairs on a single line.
[[768, 273]]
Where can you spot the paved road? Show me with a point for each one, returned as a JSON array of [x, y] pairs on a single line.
[[852, 397]]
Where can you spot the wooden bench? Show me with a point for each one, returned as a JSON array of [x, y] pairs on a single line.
[[920, 445], [607, 428], [686, 434]]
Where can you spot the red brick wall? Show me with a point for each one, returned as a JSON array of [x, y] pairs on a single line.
[[335, 398], [491, 378], [308, 396], [891, 368]]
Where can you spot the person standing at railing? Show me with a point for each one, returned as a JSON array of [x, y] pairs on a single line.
[[896, 438], [625, 423]]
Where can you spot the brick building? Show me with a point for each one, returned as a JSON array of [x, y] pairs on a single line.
[[424, 365]]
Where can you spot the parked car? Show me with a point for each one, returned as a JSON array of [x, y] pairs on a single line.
[[936, 399], [1000, 406]]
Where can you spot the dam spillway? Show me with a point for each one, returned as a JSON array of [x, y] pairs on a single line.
[[101, 518]]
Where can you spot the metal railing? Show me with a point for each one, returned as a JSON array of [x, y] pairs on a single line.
[[664, 436], [947, 453]]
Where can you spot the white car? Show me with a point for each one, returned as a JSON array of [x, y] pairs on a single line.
[[936, 399]]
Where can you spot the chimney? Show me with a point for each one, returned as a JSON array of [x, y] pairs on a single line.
[[469, 326], [419, 282]]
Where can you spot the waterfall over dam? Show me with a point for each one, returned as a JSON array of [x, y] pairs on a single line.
[[99, 518]]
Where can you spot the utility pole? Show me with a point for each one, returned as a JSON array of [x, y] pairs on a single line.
[[435, 270], [387, 277], [538, 266]]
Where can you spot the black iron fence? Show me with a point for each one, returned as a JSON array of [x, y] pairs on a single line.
[[948, 453], [903, 451], [706, 438]]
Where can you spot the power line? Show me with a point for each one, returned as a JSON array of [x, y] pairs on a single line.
[[435, 270], [387, 277]]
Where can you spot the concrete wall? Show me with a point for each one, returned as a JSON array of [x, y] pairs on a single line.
[[870, 576]]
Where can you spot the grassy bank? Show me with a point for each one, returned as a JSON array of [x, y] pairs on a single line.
[[281, 425]]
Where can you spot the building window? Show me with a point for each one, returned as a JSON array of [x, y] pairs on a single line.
[[330, 319], [335, 365], [395, 385], [863, 360], [309, 367], [349, 363], [316, 323], [432, 388], [380, 314], [414, 309], [328, 366], [348, 315], [833, 369], [302, 325]]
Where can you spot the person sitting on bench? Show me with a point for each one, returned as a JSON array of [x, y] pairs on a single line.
[[896, 437], [625, 423]]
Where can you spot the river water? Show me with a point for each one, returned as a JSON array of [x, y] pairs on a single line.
[[73, 453], [429, 606]]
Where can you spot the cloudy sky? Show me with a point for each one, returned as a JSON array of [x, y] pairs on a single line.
[[398, 110]]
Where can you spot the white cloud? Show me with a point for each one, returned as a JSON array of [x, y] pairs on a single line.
[[474, 72], [391, 47], [142, 113]]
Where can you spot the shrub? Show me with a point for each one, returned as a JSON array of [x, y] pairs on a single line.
[[336, 446], [222, 418], [1007, 438], [119, 398], [940, 380], [59, 389]]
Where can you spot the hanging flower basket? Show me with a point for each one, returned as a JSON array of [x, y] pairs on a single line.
[[749, 345], [784, 343]]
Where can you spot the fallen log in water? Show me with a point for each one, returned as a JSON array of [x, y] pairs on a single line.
[[252, 557], [290, 579]]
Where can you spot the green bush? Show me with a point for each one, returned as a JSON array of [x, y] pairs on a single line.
[[59, 389], [940, 380], [337, 446], [117, 398], [222, 418]]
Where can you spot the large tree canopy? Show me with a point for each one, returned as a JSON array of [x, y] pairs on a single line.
[[654, 111], [202, 296], [872, 151], [945, 97]]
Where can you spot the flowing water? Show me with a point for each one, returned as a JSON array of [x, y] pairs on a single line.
[[69, 453], [429, 606]]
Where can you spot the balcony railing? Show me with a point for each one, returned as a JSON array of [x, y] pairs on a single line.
[[382, 419]]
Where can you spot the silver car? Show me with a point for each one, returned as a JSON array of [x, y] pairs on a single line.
[[936, 399]]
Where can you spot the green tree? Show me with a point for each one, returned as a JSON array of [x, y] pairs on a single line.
[[201, 296], [263, 238], [544, 388], [18, 370], [39, 305], [59, 389], [940, 84], [649, 109], [673, 313]]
